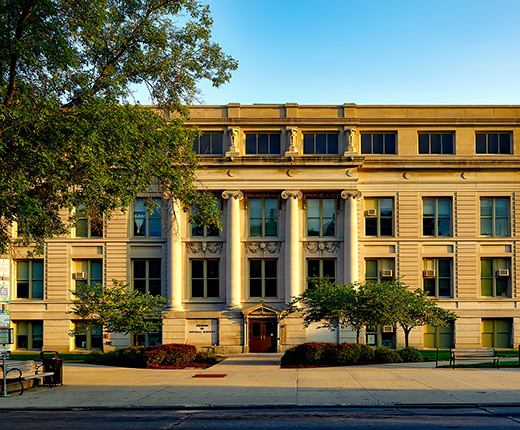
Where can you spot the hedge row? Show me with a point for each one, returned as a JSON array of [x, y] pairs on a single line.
[[344, 354], [173, 355]]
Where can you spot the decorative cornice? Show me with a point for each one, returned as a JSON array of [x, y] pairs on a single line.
[[313, 247], [270, 247], [345, 194], [197, 247], [295, 194], [236, 194]]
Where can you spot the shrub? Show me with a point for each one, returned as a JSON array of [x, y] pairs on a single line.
[[311, 353], [348, 354], [366, 354], [170, 354], [384, 355], [204, 357], [411, 354]]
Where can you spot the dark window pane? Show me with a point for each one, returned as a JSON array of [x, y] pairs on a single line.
[[486, 207], [308, 143], [197, 230], [263, 147], [386, 207], [212, 268], [250, 143], [205, 144], [313, 227], [486, 228], [366, 144], [255, 227], [444, 206], [480, 146], [274, 144], [213, 287], [429, 207], [255, 288], [332, 144], [429, 286], [371, 226], [444, 227], [154, 226], [390, 143], [139, 269], [197, 288], [328, 227], [313, 268], [377, 143], [371, 268], [447, 144], [492, 143], [82, 228], [444, 287], [270, 268], [435, 143], [445, 268], [37, 289], [329, 268], [255, 208], [501, 207], [428, 227], [424, 144], [271, 227], [140, 285], [504, 144], [154, 287], [255, 268], [217, 144], [197, 268], [502, 287], [22, 290], [386, 227], [154, 270], [271, 288], [321, 144]]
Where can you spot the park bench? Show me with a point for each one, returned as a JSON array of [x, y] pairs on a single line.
[[474, 354], [21, 371]]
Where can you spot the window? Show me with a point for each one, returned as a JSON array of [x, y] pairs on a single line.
[[494, 217], [29, 279], [493, 143], [85, 227], [150, 339], [320, 143], [209, 144], [321, 268], [436, 143], [29, 335], [379, 217], [495, 277], [88, 272], [202, 230], [263, 143], [263, 278], [146, 276], [438, 337], [90, 339], [321, 217], [379, 269], [147, 221], [205, 279], [378, 143], [263, 217], [496, 333], [437, 277], [437, 217]]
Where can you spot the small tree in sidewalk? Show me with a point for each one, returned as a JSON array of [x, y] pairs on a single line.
[[116, 309]]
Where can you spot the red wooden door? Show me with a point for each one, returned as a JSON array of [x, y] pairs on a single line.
[[262, 335]]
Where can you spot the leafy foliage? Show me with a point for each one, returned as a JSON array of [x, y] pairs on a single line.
[[115, 309], [411, 354], [68, 136]]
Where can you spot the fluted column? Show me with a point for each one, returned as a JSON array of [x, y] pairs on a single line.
[[233, 260], [174, 256], [292, 244], [351, 256]]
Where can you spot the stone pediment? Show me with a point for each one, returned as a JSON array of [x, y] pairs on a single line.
[[262, 310]]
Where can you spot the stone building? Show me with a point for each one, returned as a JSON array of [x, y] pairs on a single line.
[[426, 193]]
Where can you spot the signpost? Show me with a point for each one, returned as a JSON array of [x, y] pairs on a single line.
[[6, 332]]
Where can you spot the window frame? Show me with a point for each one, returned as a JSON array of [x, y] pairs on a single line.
[[31, 279], [264, 217], [248, 136], [147, 278], [89, 336], [496, 332], [90, 232], [379, 216], [197, 143], [436, 217], [31, 324], [486, 135], [383, 143], [436, 333], [434, 265], [327, 151], [90, 279], [441, 134], [204, 278], [494, 218], [147, 218], [381, 264], [320, 268], [263, 278], [497, 263], [321, 217]]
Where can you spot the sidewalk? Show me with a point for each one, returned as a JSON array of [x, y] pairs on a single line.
[[256, 380]]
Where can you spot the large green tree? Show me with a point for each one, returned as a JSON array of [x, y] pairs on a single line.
[[70, 132]]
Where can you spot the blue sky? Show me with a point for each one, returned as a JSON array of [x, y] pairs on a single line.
[[369, 51]]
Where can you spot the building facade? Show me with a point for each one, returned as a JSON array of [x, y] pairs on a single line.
[[425, 193]]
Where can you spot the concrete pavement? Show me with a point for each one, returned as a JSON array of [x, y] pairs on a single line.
[[256, 380]]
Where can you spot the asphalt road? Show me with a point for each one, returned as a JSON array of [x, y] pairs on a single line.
[[387, 418]]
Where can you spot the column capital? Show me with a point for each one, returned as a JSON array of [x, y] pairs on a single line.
[[295, 194], [236, 194], [355, 194]]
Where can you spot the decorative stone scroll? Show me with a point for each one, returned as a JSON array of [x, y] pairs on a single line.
[[270, 247], [346, 194], [313, 247], [294, 194], [237, 195], [211, 247]]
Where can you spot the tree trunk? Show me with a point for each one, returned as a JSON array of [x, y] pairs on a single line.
[[406, 335]]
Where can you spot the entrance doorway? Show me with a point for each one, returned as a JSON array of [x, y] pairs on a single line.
[[262, 335]]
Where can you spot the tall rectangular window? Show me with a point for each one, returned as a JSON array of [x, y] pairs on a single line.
[[88, 272], [147, 221], [494, 216], [322, 268], [89, 340], [437, 277], [495, 277], [204, 230], [209, 144], [263, 143], [496, 333], [437, 217], [29, 335], [320, 143], [378, 143], [436, 143], [379, 217], [205, 279], [263, 278], [86, 227], [146, 276], [438, 337], [263, 217], [379, 269], [493, 143], [321, 217], [29, 279]]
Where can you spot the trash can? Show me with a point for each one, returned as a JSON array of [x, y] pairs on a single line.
[[52, 364]]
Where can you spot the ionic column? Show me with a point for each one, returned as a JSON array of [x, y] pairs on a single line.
[[174, 257], [351, 256], [233, 260], [292, 244]]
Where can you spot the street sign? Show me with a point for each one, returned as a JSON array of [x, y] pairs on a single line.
[[6, 336], [4, 292], [5, 321], [4, 268]]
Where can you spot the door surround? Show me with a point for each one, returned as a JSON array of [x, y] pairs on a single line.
[[263, 314]]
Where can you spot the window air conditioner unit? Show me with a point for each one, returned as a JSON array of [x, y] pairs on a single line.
[[503, 272], [371, 212], [79, 275], [388, 329], [387, 273], [429, 273]]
